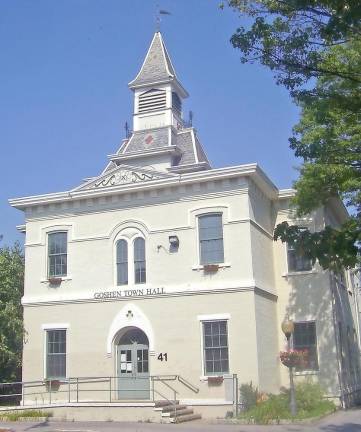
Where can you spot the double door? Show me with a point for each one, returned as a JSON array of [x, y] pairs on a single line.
[[133, 371]]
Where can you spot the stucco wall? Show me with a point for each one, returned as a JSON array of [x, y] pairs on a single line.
[[174, 328], [267, 343]]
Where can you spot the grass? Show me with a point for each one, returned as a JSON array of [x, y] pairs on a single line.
[[310, 404], [19, 414]]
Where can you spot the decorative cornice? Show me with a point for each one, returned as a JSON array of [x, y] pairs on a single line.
[[123, 177], [252, 170], [286, 193]]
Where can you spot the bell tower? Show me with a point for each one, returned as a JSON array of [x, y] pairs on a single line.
[[158, 94], [160, 139]]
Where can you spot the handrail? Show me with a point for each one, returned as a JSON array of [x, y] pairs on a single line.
[[164, 377], [188, 384], [174, 403], [73, 387], [176, 377], [169, 386]]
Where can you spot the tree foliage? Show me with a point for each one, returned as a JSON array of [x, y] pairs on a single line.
[[291, 37], [328, 138], [11, 316], [314, 49]]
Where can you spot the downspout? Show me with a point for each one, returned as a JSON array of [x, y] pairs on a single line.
[[356, 295], [337, 345]]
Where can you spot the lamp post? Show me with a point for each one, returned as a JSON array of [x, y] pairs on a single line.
[[288, 328]]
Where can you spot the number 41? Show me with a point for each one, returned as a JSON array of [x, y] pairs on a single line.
[[163, 356]]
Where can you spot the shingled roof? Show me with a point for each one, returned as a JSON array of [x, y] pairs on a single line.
[[157, 66]]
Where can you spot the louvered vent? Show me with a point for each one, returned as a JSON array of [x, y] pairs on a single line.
[[176, 102], [152, 100]]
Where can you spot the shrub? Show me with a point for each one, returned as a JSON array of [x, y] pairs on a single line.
[[16, 415], [308, 395], [310, 403], [274, 408], [249, 395]]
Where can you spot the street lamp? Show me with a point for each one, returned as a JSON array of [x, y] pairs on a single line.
[[288, 328]]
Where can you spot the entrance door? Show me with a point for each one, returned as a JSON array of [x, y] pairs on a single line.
[[133, 365]]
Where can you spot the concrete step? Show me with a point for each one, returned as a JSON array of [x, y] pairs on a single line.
[[182, 412], [170, 408], [185, 418], [162, 403]]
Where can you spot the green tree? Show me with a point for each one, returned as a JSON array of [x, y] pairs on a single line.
[[328, 138], [11, 316], [314, 49], [291, 37]]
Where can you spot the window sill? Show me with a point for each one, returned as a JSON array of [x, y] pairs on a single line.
[[306, 372], [220, 266], [300, 273], [63, 278], [56, 380], [223, 375]]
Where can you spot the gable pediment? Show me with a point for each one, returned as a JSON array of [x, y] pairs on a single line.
[[124, 175]]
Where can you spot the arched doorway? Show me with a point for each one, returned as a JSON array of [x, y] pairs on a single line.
[[132, 364]]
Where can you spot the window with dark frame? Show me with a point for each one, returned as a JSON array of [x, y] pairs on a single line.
[[215, 347], [122, 262], [296, 261], [55, 354], [57, 254], [304, 338], [211, 239], [139, 261]]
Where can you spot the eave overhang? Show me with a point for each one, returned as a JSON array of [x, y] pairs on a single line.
[[335, 204], [174, 81], [145, 153], [250, 170], [186, 168]]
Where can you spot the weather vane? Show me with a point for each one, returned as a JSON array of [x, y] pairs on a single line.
[[158, 18]]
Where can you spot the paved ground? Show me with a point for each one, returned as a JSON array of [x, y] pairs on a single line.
[[343, 421]]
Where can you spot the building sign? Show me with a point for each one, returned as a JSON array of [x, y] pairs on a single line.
[[105, 295]]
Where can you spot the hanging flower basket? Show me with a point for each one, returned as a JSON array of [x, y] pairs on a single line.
[[54, 280], [53, 384], [210, 268], [215, 380], [293, 358]]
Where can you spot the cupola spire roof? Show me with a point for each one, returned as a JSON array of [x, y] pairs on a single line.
[[157, 66]]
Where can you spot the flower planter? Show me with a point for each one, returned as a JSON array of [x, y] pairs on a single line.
[[215, 380], [293, 358], [52, 384], [210, 268], [54, 280]]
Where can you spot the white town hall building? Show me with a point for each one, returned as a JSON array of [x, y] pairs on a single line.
[[159, 279]]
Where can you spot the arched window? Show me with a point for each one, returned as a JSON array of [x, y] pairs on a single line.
[[139, 261], [122, 262]]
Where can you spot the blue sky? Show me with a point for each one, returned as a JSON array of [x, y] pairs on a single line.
[[64, 71]]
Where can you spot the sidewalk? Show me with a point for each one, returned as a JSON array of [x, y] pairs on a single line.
[[342, 421]]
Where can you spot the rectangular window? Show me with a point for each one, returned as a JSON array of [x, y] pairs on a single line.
[[56, 354], [57, 254], [139, 261], [297, 262], [122, 262], [304, 338], [211, 239], [215, 347]]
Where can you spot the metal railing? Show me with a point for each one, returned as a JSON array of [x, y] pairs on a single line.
[[73, 388], [102, 389]]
